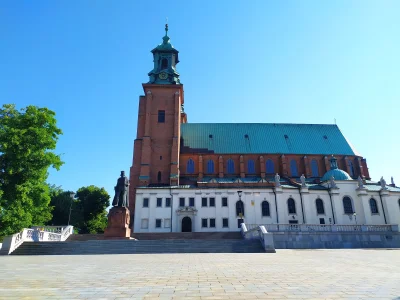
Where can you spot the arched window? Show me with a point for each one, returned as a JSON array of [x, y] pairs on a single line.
[[293, 168], [239, 208], [265, 209], [314, 168], [159, 176], [250, 166], [291, 206], [374, 206], [320, 206], [164, 64], [190, 166], [347, 205], [269, 166], [230, 166], [351, 168], [210, 166]]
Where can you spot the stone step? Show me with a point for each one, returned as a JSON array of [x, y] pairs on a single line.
[[164, 236], [145, 246]]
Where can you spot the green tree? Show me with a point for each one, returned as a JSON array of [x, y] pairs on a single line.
[[91, 204], [27, 138], [62, 204]]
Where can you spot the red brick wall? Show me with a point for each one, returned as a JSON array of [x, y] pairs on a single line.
[[300, 161]]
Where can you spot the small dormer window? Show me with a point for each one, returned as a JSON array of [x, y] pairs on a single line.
[[164, 64], [246, 136], [286, 137]]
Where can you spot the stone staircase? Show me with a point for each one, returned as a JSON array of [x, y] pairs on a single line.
[[91, 247], [142, 243], [164, 236]]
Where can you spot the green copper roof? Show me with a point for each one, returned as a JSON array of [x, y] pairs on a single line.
[[337, 174], [259, 138], [166, 44]]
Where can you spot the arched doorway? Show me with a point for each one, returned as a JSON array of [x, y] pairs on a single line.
[[186, 224]]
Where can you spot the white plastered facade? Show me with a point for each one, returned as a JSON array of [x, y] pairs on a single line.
[[169, 218]]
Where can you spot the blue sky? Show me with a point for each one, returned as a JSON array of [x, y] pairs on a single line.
[[240, 61]]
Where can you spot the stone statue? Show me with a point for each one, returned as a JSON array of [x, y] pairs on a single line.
[[392, 181], [383, 183], [277, 180], [360, 183], [332, 182], [121, 191], [303, 180]]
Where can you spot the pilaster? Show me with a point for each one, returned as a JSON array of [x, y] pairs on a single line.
[[242, 167], [306, 209], [201, 172], [280, 205], [284, 165], [221, 167], [174, 169], [390, 213], [327, 164], [362, 194], [337, 209], [360, 167], [307, 167], [262, 167]]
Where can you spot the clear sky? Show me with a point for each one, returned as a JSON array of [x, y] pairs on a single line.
[[240, 61]]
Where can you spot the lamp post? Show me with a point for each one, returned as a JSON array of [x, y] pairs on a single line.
[[240, 206], [72, 195]]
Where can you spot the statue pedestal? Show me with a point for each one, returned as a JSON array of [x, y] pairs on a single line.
[[118, 223]]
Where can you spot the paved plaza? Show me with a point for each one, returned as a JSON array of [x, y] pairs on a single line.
[[288, 274]]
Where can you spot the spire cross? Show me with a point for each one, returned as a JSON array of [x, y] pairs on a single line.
[[166, 26]]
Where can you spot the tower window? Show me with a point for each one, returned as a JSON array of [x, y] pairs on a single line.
[[240, 208], [265, 209], [373, 205], [161, 116], [351, 168], [159, 177], [347, 206], [270, 166], [314, 168], [320, 207], [230, 166], [293, 168], [210, 166], [190, 166], [250, 166], [164, 64], [291, 206]]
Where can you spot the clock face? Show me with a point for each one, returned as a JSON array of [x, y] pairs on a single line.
[[163, 75]]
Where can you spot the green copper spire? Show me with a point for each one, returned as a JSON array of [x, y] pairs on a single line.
[[165, 60], [166, 37]]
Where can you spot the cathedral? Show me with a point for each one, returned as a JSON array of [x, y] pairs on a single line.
[[212, 177]]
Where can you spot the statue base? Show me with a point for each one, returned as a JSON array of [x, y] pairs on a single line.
[[118, 223]]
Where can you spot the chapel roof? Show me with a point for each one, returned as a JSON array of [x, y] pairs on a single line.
[[335, 172], [259, 138]]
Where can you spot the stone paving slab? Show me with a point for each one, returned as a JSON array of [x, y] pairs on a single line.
[[288, 274]]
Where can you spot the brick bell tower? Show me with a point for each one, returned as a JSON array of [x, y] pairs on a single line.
[[157, 144]]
